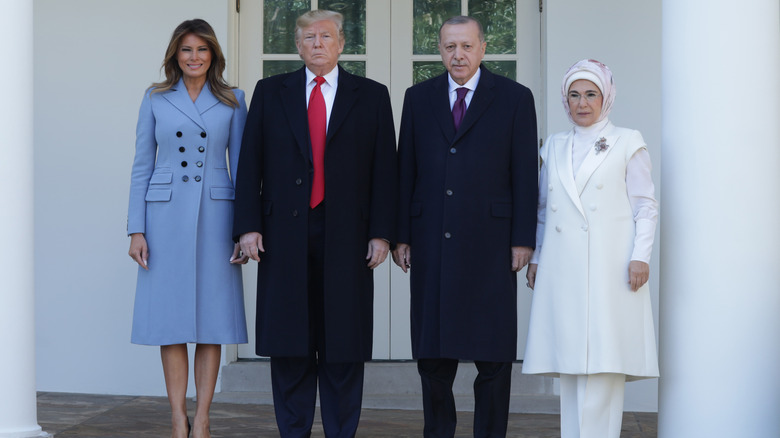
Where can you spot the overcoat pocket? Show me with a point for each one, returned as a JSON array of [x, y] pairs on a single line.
[[158, 195], [161, 178], [223, 193]]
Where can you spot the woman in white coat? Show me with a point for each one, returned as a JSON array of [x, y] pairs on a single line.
[[180, 218], [591, 318]]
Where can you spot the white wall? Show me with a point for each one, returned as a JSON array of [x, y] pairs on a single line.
[[93, 61], [626, 36]]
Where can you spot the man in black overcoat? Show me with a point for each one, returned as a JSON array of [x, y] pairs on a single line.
[[318, 222], [467, 223]]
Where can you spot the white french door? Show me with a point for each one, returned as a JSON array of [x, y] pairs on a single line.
[[392, 42]]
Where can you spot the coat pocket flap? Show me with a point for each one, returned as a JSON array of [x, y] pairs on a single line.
[[501, 209], [158, 195], [415, 209], [161, 178], [223, 193]]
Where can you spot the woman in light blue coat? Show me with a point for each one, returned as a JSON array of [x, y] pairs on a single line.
[[180, 217]]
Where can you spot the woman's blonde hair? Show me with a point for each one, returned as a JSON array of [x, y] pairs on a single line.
[[200, 28]]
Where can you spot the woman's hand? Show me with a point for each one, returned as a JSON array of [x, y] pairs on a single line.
[[638, 274], [139, 251], [530, 275], [238, 258]]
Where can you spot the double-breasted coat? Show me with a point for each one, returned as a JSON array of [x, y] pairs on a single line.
[[274, 185], [584, 317], [181, 198], [466, 198]]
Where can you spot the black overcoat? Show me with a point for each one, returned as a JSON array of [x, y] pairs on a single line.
[[272, 198], [465, 199]]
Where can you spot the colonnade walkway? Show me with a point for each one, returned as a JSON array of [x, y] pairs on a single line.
[[110, 416]]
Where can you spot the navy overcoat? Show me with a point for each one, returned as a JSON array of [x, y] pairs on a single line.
[[272, 198], [181, 198], [465, 199]]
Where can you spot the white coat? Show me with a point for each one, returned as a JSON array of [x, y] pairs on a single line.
[[584, 317]]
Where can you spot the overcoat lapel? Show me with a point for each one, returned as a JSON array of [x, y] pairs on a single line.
[[206, 100], [293, 97], [346, 96], [562, 149], [180, 99], [440, 106], [594, 159], [480, 102]]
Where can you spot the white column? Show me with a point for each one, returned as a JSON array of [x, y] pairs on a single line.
[[17, 311], [720, 244]]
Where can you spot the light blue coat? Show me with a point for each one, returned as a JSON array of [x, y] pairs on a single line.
[[181, 198]]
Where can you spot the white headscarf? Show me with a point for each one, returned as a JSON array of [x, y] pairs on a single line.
[[593, 71]]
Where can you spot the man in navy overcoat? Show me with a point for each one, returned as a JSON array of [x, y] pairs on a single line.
[[316, 254], [467, 222]]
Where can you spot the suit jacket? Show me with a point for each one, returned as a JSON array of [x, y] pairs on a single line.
[[466, 198], [181, 198], [272, 197], [584, 318]]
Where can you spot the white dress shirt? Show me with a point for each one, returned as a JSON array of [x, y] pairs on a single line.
[[471, 84], [328, 89]]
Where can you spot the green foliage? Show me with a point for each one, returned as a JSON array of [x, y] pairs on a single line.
[[279, 24], [354, 12], [424, 70], [271, 68], [498, 19], [428, 17]]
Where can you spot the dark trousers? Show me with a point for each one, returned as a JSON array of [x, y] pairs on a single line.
[[491, 397], [295, 379]]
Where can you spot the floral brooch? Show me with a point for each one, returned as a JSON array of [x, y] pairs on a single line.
[[601, 145]]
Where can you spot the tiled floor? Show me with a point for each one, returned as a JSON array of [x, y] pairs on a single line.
[[107, 416]]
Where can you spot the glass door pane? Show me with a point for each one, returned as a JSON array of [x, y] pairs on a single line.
[[279, 52], [394, 42], [428, 17], [354, 12], [512, 32], [499, 22], [266, 48]]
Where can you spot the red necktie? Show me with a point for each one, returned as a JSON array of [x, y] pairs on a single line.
[[317, 128], [459, 109]]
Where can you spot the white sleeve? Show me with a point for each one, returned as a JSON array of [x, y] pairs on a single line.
[[541, 207], [641, 196]]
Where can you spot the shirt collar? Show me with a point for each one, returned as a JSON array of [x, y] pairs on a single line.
[[331, 78], [471, 84]]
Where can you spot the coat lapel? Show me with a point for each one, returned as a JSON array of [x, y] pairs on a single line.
[[440, 106], [480, 102], [562, 150], [293, 97], [594, 159], [346, 96], [180, 99], [206, 100]]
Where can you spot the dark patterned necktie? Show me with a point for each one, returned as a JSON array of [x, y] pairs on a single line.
[[459, 109]]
